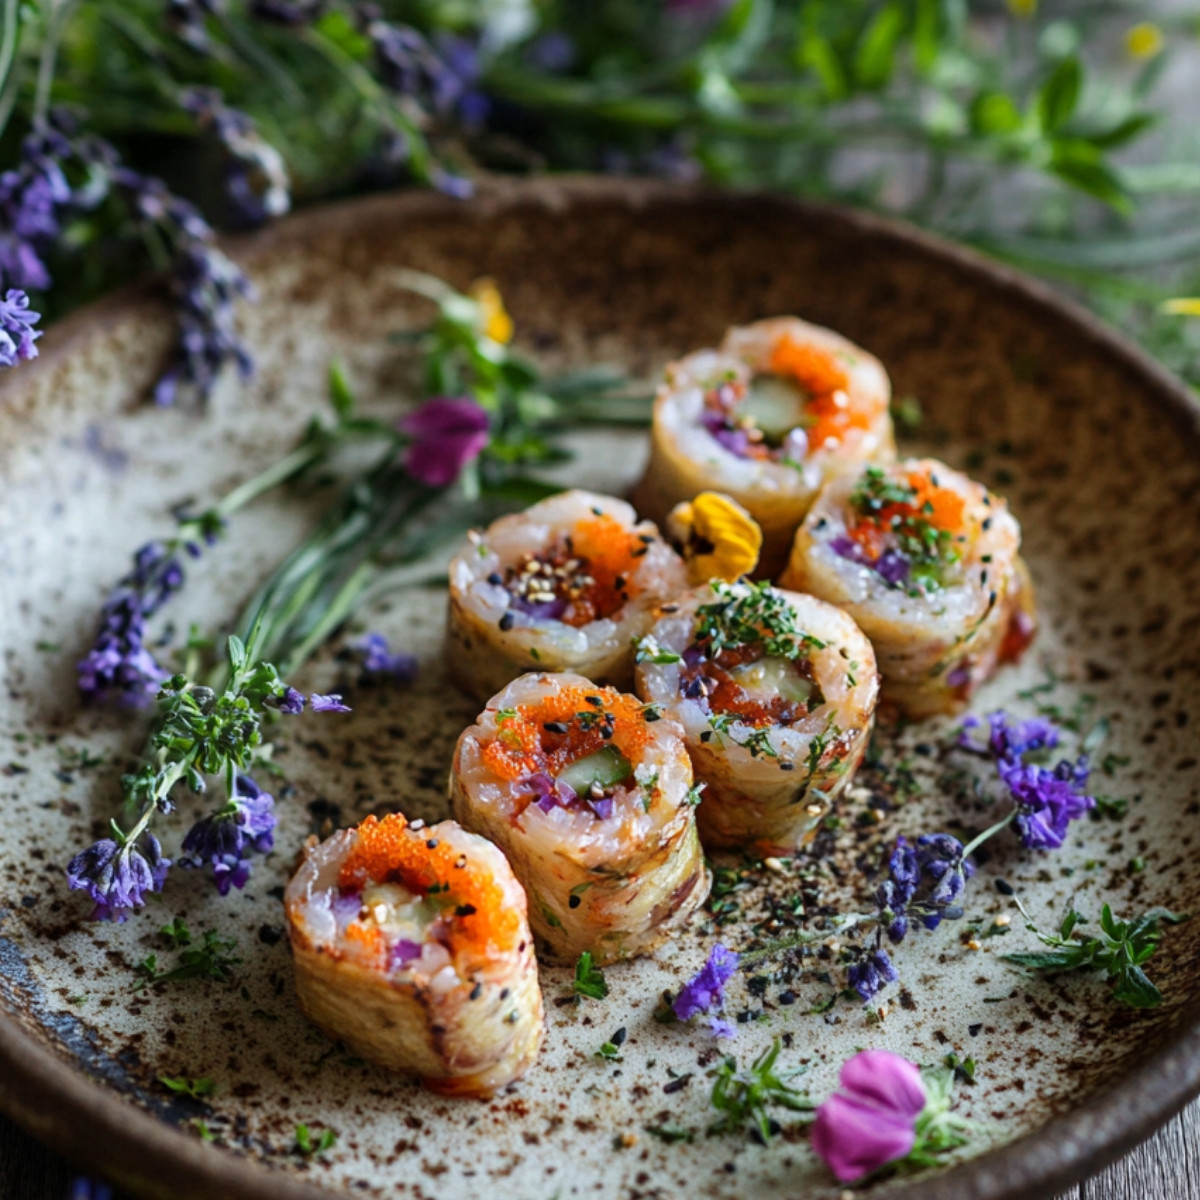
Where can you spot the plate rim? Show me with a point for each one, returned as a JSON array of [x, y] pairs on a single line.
[[86, 1122]]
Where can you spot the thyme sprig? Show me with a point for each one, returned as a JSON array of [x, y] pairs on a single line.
[[744, 1097]]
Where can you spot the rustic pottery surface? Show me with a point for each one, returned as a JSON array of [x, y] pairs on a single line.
[[1100, 458]]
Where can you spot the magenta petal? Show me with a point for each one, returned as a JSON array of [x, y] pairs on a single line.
[[886, 1081], [855, 1139], [438, 462], [444, 416]]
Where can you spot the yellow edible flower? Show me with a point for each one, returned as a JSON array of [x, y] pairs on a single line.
[[1022, 8], [1184, 306], [1143, 40], [720, 539], [497, 324]]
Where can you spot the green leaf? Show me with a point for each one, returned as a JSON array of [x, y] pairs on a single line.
[[995, 113], [237, 653], [1123, 131], [820, 57], [876, 53], [589, 979], [1058, 97], [1134, 989], [1095, 178], [1043, 960], [340, 394]]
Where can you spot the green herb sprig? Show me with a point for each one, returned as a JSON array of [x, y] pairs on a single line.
[[1120, 951], [589, 979], [744, 1098]]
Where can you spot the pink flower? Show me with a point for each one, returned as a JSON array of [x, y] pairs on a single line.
[[872, 1120], [447, 433]]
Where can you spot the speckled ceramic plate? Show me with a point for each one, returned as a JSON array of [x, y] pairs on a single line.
[[1099, 453]]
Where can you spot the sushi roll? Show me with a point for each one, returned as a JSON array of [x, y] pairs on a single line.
[[567, 585], [589, 793], [767, 419], [776, 693], [927, 562], [411, 945]]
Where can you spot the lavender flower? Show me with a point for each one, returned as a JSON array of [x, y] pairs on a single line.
[[379, 662], [292, 702], [871, 973], [1047, 799], [17, 334], [323, 704], [256, 179], [448, 433], [225, 838], [705, 991], [117, 875], [188, 21]]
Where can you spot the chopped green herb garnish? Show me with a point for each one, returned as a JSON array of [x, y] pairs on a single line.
[[196, 1088], [665, 1133], [308, 1147], [589, 979], [752, 614], [743, 1097], [213, 959]]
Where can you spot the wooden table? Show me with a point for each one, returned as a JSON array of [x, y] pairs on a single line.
[[1167, 1167]]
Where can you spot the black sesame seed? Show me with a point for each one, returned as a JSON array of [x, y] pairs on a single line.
[[606, 731], [677, 1085], [924, 749], [432, 844], [506, 622], [788, 997], [706, 736], [599, 512], [555, 727], [465, 910], [504, 994], [1005, 888], [595, 701], [618, 1038], [783, 766], [973, 1030], [495, 579], [476, 991], [574, 902]]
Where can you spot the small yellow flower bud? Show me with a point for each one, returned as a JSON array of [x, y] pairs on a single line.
[[1022, 8], [1182, 306], [497, 324], [1143, 40]]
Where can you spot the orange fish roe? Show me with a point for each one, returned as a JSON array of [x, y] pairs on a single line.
[[523, 745], [611, 553], [389, 850], [942, 507], [830, 415]]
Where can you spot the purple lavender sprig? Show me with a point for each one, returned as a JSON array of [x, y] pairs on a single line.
[[119, 667], [256, 177], [200, 732], [704, 993]]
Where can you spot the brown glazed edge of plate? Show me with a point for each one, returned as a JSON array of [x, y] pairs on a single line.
[[98, 1130]]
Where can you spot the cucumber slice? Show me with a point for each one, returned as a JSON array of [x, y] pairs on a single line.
[[606, 767], [773, 677], [776, 405]]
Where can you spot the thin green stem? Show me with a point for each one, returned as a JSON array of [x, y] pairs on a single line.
[[60, 11], [280, 472], [808, 937], [978, 841]]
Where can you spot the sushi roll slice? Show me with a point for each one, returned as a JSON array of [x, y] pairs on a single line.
[[589, 793], [776, 693], [767, 419], [411, 945], [567, 585], [927, 562]]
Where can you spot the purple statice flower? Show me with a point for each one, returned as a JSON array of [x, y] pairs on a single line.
[[705, 991], [118, 666], [1047, 799], [447, 433], [256, 178], [324, 704], [720, 1028], [871, 973], [17, 333], [380, 663], [117, 875], [871, 1121], [224, 839]]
